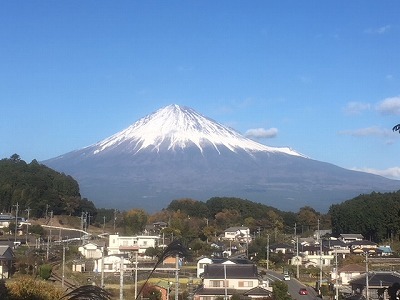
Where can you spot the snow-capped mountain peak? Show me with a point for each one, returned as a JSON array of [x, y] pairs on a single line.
[[178, 127]]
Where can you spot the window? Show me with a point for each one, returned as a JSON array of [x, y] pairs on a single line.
[[245, 283], [216, 283]]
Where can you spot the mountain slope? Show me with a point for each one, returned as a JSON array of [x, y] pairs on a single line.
[[176, 152]]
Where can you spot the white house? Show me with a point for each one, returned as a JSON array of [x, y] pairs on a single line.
[[347, 273], [112, 264], [350, 237], [225, 280], [91, 250], [201, 264], [313, 256], [5, 220], [127, 244], [241, 234]]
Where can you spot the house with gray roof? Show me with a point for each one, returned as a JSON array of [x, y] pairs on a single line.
[[378, 283], [7, 259], [225, 280]]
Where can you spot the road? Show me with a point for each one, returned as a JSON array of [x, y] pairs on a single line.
[[293, 286]]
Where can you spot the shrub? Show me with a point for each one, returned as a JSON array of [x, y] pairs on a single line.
[[27, 288], [45, 271]]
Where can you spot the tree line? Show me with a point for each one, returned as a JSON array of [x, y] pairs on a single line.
[[32, 185], [376, 216], [40, 189]]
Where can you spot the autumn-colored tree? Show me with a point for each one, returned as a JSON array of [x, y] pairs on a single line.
[[134, 221], [149, 291], [307, 218], [209, 232], [28, 288], [228, 218]]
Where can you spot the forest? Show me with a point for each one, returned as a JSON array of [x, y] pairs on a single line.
[[40, 189]]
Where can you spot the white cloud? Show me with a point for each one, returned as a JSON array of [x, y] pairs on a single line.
[[389, 106], [261, 133], [379, 30], [393, 173], [389, 77], [353, 108], [368, 131]]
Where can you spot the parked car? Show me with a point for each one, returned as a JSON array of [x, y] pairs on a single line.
[[303, 291], [286, 277]]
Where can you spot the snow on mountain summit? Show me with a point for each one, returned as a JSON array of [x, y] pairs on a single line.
[[178, 127]]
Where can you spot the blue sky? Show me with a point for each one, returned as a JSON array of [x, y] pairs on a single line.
[[322, 77]]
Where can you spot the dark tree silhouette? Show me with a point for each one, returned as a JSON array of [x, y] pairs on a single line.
[[393, 291], [87, 292], [173, 249], [396, 128]]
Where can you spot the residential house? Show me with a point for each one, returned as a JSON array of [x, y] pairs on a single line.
[[317, 255], [378, 282], [201, 263], [91, 250], [226, 280], [281, 248], [155, 228], [337, 247], [240, 234], [258, 292], [111, 263], [347, 273], [7, 258], [127, 244], [5, 220], [363, 246], [350, 237]]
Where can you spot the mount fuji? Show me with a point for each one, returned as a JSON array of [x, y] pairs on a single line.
[[176, 153]]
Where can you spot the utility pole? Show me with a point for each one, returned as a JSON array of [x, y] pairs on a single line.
[[225, 287], [16, 223], [267, 251], [63, 266], [177, 277], [47, 209], [337, 277], [121, 278], [320, 260], [27, 226], [297, 258], [115, 218], [102, 268], [49, 236], [104, 223], [136, 275], [366, 277]]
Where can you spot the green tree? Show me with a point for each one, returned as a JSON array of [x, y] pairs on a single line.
[[189, 207], [37, 229], [45, 271], [280, 290], [153, 252]]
